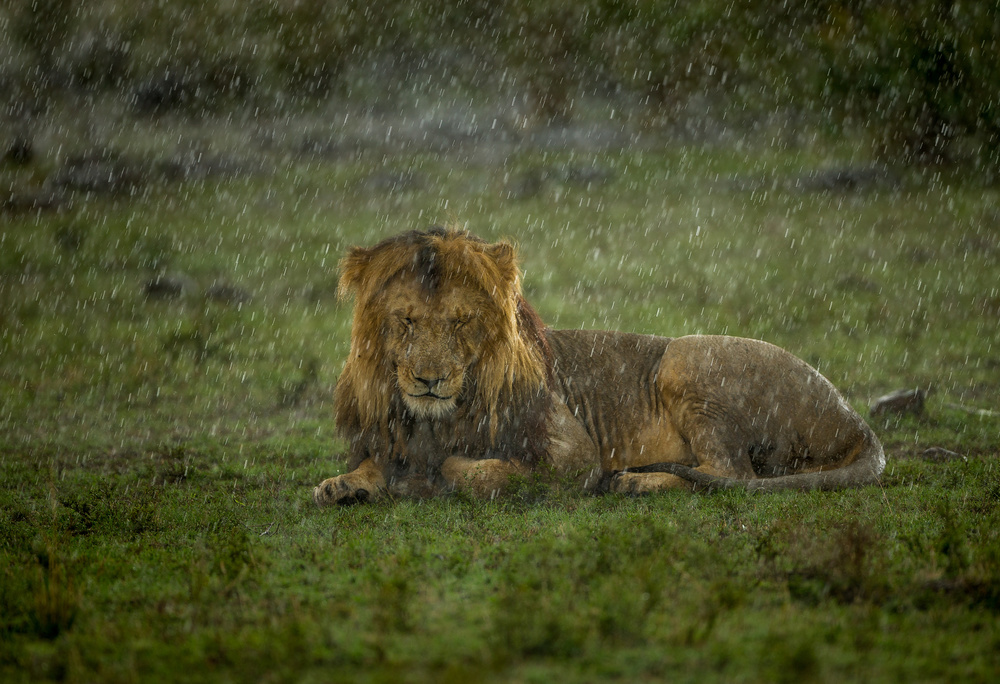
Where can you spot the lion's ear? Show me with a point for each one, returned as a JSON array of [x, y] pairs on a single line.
[[352, 270], [504, 256]]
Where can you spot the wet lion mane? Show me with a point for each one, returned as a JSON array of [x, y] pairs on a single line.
[[506, 394]]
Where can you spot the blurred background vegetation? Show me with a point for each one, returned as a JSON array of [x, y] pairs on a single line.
[[179, 179], [915, 77]]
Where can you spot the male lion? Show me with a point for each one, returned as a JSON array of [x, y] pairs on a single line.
[[453, 381]]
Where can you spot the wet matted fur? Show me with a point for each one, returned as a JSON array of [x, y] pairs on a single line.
[[453, 381]]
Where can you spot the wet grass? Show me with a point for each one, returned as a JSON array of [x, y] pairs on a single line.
[[157, 453]]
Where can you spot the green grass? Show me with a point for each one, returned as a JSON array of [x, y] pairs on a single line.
[[157, 457]]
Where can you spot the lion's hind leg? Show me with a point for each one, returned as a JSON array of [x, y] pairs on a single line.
[[657, 477]]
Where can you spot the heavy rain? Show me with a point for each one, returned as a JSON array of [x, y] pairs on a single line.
[[179, 184]]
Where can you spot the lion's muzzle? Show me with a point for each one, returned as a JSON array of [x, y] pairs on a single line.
[[432, 387]]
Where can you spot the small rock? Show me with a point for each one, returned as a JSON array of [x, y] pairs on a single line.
[[225, 293], [101, 172], [940, 454], [19, 152], [167, 286], [162, 93], [587, 176], [527, 185], [21, 201], [71, 237], [981, 412], [857, 283], [394, 182], [900, 402], [846, 179], [194, 165]]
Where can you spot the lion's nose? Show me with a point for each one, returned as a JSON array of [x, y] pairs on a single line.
[[430, 382]]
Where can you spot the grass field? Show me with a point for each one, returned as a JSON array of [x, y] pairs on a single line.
[[157, 454]]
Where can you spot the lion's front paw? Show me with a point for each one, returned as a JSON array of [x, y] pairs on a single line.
[[342, 490]]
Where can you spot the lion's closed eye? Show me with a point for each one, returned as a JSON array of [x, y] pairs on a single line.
[[406, 324]]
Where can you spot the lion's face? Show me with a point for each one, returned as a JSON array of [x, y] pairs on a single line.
[[432, 339], [439, 325]]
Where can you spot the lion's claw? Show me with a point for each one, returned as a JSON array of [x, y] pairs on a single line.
[[359, 496]]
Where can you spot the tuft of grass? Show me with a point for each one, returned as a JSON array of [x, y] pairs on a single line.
[[55, 599]]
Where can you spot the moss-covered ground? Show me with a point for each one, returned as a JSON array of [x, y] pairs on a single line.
[[158, 449]]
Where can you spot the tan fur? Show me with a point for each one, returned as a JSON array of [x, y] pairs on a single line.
[[453, 381], [387, 277]]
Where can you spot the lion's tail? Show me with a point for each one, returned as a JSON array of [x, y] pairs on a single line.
[[865, 468]]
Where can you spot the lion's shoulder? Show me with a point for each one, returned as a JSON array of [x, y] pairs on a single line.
[[601, 353], [606, 373]]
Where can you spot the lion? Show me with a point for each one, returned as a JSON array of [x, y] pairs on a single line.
[[453, 382]]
